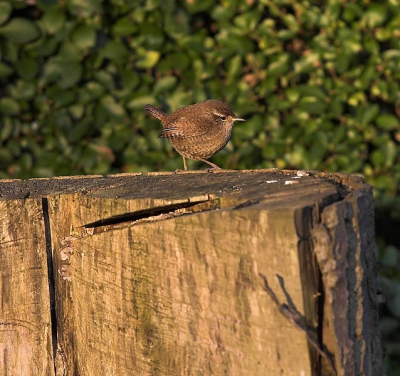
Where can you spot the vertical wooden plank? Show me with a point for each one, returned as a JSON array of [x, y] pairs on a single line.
[[25, 323], [345, 249], [371, 352], [180, 296]]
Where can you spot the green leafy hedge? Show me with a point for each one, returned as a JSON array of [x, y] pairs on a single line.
[[319, 83]]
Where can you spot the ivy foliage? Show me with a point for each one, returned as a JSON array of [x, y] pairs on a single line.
[[318, 83]]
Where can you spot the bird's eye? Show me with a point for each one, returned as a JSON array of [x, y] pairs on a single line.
[[223, 117]]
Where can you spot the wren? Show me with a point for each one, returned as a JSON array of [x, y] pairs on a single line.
[[198, 131]]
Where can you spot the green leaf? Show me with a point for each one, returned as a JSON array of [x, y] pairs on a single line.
[[139, 101], [375, 15], [349, 40], [377, 158], [47, 47], [65, 73], [5, 70], [336, 107], [71, 76], [317, 152], [5, 157], [248, 21], [368, 114], [9, 106], [356, 99], [94, 89], [222, 13], [296, 156], [147, 59], [236, 44], [388, 122], [27, 68], [24, 90], [176, 23], [114, 50], [382, 34], [79, 130], [286, 34], [291, 21], [106, 79], [130, 79], [306, 64], [20, 30], [165, 84], [234, 66], [5, 11], [77, 111], [352, 11], [69, 52], [389, 152], [176, 60], [199, 6], [391, 54], [112, 107], [84, 37], [153, 36], [123, 27], [279, 67], [61, 97], [312, 105], [53, 20], [312, 91], [292, 94], [84, 9]]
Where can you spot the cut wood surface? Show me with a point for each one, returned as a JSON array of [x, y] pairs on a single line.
[[158, 274], [25, 323]]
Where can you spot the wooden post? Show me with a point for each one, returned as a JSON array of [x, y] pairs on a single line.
[[200, 273]]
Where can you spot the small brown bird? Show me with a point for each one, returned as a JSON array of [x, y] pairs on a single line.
[[198, 131]]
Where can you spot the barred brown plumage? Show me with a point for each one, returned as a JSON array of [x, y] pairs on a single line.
[[197, 131]]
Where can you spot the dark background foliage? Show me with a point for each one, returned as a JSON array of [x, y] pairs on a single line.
[[317, 81]]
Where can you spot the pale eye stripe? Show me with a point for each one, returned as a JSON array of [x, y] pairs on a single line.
[[219, 114]]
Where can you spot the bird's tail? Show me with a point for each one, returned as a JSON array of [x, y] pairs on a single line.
[[155, 112]]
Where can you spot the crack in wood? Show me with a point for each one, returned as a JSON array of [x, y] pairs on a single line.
[[246, 203], [51, 277], [151, 215]]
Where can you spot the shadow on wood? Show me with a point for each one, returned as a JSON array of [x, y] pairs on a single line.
[[158, 274]]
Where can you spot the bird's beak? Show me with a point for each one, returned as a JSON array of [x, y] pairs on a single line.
[[239, 119]]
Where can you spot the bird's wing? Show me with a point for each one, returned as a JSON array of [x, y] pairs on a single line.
[[182, 127]]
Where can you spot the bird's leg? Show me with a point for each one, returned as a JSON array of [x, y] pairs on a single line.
[[210, 163], [184, 164]]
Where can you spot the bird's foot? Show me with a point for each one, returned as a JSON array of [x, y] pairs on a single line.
[[213, 169]]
